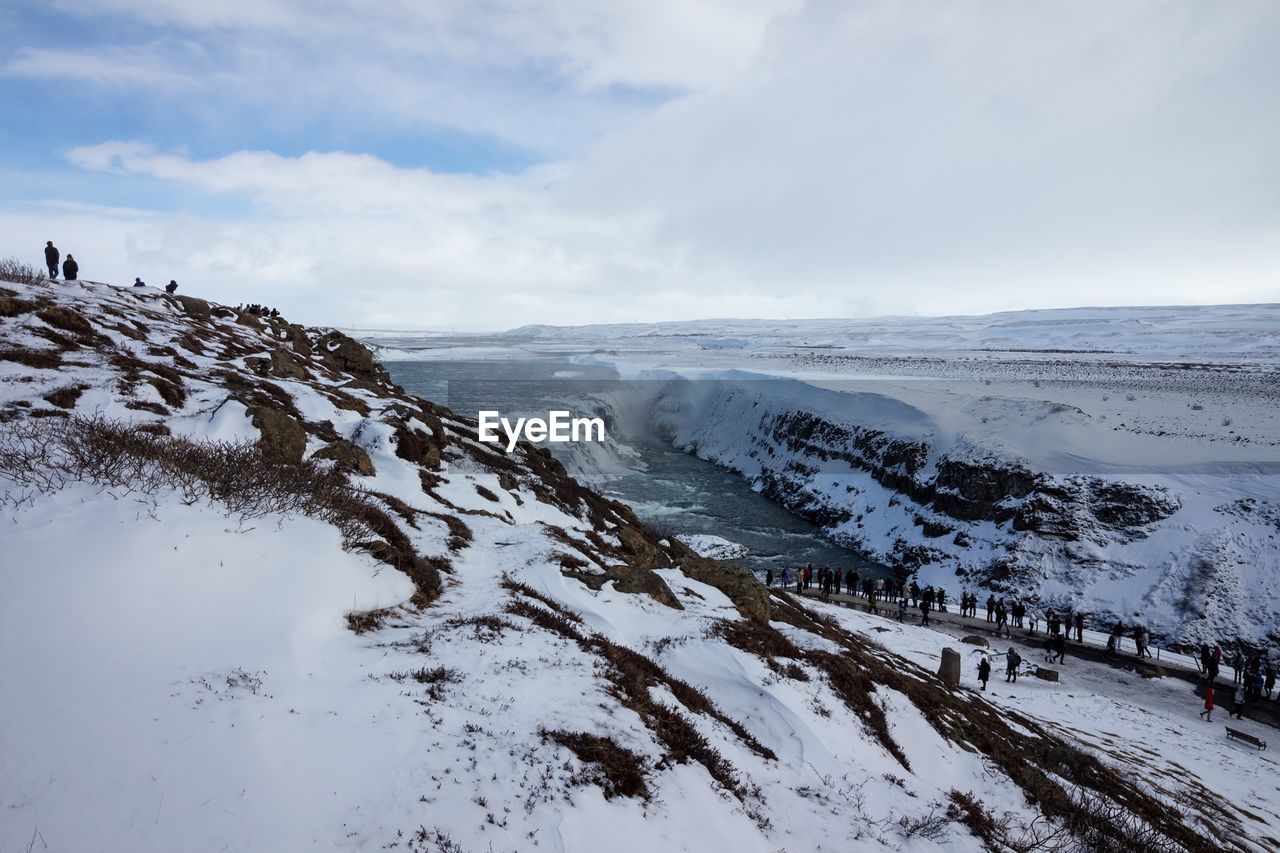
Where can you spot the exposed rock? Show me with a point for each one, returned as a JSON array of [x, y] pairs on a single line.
[[1046, 674], [286, 366], [1119, 504], [298, 340], [414, 445], [949, 668], [348, 456], [970, 490], [348, 355], [281, 434], [627, 579], [197, 308], [975, 640]]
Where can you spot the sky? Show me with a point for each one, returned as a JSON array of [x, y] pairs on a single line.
[[482, 164]]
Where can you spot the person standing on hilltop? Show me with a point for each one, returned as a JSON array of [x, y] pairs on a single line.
[[70, 269], [172, 288], [51, 256]]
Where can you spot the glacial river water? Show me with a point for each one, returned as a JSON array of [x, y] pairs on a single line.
[[675, 491]]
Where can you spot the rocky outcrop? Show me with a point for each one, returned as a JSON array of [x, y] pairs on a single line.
[[197, 308], [349, 356], [283, 436], [349, 457]]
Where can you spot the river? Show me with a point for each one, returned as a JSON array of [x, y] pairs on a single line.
[[674, 491]]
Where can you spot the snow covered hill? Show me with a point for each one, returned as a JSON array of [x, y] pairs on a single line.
[[255, 597]]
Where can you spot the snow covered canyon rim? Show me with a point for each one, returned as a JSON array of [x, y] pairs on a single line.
[[1121, 461]]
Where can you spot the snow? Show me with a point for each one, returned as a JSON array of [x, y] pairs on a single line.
[[178, 678], [715, 547], [1179, 401]]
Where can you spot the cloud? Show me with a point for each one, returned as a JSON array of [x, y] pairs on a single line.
[[132, 66], [830, 159]]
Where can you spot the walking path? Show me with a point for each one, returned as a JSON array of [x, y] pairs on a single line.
[[1094, 648]]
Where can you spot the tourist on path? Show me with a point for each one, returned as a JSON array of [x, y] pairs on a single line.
[[51, 256], [1015, 660], [1237, 703], [1058, 645], [1207, 713], [984, 672], [924, 612]]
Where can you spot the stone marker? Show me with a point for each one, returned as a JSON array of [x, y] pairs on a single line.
[[949, 670], [1046, 674]]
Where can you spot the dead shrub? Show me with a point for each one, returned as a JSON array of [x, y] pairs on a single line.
[[12, 269]]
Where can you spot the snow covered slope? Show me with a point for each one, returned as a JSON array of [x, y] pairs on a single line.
[[254, 597]]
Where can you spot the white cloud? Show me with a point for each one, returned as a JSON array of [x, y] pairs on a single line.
[[836, 159]]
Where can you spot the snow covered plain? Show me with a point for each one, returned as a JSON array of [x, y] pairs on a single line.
[[476, 654], [1120, 461]]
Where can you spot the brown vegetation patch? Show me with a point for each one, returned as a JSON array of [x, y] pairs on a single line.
[[39, 359], [12, 306], [67, 319], [1035, 761], [459, 533], [66, 396], [631, 676], [245, 478], [616, 770]]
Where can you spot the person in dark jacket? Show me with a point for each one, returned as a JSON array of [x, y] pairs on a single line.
[[70, 269], [1015, 660], [984, 672], [138, 282], [172, 286], [51, 256]]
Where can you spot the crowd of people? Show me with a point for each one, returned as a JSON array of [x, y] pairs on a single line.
[[1253, 680], [257, 310], [1254, 677]]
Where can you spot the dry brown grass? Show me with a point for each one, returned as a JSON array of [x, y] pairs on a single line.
[[632, 676], [616, 770], [242, 478], [1100, 808]]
